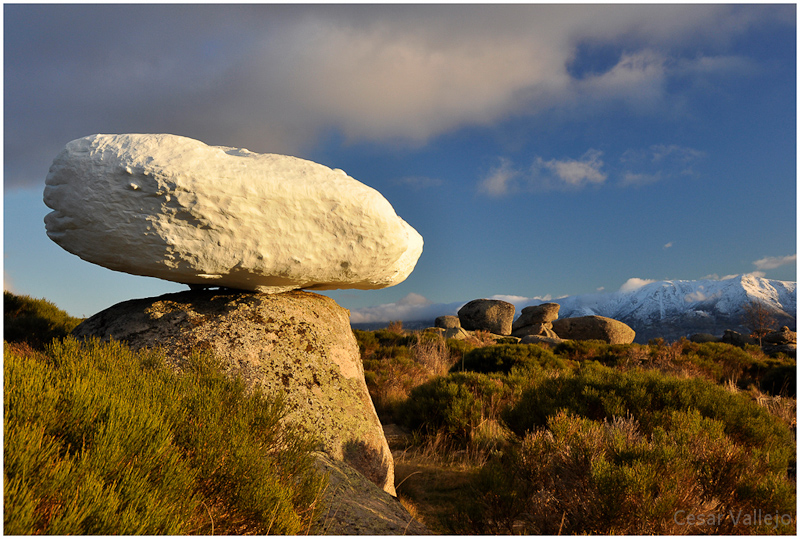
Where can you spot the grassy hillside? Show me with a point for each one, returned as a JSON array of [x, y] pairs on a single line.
[[35, 321], [587, 437], [102, 440]]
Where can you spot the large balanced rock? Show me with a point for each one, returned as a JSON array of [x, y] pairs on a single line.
[[174, 208], [491, 315], [536, 320], [583, 328], [296, 344]]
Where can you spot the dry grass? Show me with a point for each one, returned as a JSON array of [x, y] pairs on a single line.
[[784, 408], [431, 351]]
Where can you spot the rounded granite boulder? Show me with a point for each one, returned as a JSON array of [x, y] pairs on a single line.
[[175, 208]]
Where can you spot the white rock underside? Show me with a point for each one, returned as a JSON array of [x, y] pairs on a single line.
[[174, 208]]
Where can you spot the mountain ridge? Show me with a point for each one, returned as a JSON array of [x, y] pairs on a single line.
[[669, 309]]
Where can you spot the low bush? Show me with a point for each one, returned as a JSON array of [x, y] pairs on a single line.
[[601, 393], [442, 404], [457, 405], [579, 476], [502, 358], [102, 440]]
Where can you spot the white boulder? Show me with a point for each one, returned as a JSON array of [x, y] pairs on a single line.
[[175, 208]]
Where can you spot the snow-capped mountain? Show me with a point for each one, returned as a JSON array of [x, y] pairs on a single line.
[[667, 309], [674, 309]]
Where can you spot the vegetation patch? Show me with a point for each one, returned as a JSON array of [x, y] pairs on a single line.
[[35, 321], [590, 438], [103, 440]]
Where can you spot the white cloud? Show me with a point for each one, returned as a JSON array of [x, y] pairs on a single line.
[[637, 179], [657, 163], [411, 307], [716, 277], [634, 283], [500, 180], [576, 172], [668, 245], [772, 262], [413, 298]]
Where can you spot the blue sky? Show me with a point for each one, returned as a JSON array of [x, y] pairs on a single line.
[[541, 151]]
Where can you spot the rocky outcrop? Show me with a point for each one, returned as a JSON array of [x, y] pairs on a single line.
[[492, 315], [536, 320], [458, 333], [782, 336], [296, 344], [355, 506], [594, 327], [174, 208], [737, 339], [783, 341]]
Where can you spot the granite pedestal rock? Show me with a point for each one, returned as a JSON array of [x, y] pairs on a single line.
[[296, 344], [536, 320]]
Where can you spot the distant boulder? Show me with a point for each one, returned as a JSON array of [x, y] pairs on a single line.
[[447, 322], [737, 339], [536, 320], [537, 314], [782, 336], [492, 315], [585, 328], [456, 333]]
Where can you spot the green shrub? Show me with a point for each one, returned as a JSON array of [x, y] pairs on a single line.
[[599, 393], [455, 405], [504, 357], [459, 347], [579, 476], [719, 361], [102, 440], [35, 321], [442, 404]]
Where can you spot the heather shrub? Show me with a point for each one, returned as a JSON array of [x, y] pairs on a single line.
[[101, 440], [441, 404], [35, 321], [650, 397], [456, 405], [502, 358], [718, 361], [579, 476]]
